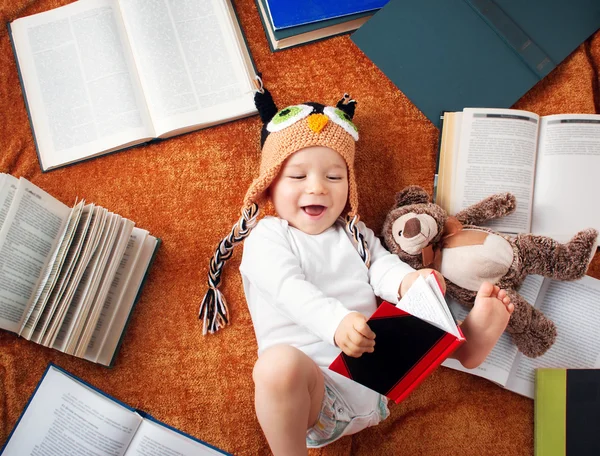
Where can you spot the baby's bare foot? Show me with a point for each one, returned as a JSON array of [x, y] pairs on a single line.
[[484, 325]]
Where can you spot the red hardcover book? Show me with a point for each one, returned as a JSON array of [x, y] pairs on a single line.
[[407, 349]]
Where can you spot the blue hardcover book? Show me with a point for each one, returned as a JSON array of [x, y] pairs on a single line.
[[66, 415], [445, 55], [284, 13]]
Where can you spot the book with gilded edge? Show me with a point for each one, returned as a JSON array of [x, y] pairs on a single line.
[[408, 348]]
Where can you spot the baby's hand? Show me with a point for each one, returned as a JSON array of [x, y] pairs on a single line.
[[353, 336], [410, 278]]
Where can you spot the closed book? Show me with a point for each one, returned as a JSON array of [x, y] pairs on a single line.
[[285, 14], [407, 348], [445, 55], [307, 33], [567, 412]]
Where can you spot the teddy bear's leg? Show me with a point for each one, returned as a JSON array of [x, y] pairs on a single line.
[[545, 256], [532, 332]]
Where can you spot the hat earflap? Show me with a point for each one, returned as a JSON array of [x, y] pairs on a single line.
[[213, 309]]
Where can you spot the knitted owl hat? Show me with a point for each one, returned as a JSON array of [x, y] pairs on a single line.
[[285, 132]]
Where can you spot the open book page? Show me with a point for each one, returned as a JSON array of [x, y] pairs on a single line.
[[123, 309], [193, 66], [575, 309], [108, 274], [8, 187], [80, 81], [499, 363], [117, 289], [51, 274], [153, 438], [30, 234], [496, 153], [53, 312], [67, 306], [90, 281], [564, 198], [67, 417], [421, 301]]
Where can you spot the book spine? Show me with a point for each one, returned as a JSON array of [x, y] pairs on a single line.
[[529, 52], [428, 364]]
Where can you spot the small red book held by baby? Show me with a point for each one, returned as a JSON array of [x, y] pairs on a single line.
[[411, 340]]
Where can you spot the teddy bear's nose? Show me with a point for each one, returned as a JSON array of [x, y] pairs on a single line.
[[412, 227]]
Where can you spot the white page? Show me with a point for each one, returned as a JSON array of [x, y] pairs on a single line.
[[153, 439], [112, 263], [51, 274], [67, 417], [86, 290], [80, 81], [119, 321], [193, 72], [7, 191], [575, 309], [497, 154], [116, 292], [565, 199], [67, 301], [499, 363], [421, 301], [31, 231]]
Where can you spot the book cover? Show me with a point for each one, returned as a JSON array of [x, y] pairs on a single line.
[[285, 14], [567, 412], [407, 350], [446, 55]]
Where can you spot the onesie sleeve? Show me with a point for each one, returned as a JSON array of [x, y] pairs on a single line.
[[271, 266], [387, 270]]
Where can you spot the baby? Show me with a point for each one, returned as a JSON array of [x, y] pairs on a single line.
[[311, 279]]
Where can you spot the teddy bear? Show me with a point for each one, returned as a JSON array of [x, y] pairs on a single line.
[[423, 235]]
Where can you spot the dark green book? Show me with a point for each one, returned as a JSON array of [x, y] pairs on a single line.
[[307, 33], [567, 412], [445, 55]]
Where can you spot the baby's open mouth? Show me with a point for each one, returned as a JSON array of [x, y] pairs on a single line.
[[314, 210]]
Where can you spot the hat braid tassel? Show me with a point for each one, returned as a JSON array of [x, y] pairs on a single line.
[[214, 312], [361, 243]]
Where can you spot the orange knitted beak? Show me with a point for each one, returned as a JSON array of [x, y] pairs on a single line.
[[316, 122]]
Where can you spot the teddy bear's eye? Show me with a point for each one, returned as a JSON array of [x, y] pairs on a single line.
[[400, 233]]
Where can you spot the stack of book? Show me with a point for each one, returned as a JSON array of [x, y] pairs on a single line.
[[69, 277], [289, 24]]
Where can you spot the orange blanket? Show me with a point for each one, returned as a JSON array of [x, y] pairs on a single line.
[[188, 191]]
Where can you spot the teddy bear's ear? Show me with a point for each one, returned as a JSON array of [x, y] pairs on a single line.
[[412, 194]]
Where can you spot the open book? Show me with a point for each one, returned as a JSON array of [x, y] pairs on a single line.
[[68, 416], [69, 277], [549, 163], [412, 339], [575, 309], [103, 75]]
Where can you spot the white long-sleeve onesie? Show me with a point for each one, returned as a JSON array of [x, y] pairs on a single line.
[[300, 286]]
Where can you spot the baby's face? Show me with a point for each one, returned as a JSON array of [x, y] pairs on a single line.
[[311, 189]]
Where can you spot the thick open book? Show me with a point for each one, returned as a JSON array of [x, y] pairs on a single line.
[[549, 163], [575, 309], [69, 277], [65, 415], [412, 339], [103, 75]]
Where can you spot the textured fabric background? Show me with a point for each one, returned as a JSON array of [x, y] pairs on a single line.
[[188, 191]]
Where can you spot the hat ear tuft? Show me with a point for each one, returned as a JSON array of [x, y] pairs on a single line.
[[265, 105], [347, 105]]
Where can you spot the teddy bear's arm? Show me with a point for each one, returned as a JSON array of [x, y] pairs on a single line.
[[492, 207]]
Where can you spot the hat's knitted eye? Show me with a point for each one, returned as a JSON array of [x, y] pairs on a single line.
[[342, 119], [288, 116]]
